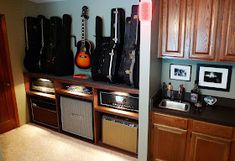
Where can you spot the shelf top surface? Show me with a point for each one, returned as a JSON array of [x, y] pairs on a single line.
[[85, 82]]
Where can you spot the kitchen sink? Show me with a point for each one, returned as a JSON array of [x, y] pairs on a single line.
[[174, 105]]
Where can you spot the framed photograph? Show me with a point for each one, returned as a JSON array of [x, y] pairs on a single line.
[[217, 77], [180, 72]]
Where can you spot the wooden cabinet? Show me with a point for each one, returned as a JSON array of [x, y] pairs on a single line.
[[207, 147], [210, 142], [47, 109], [172, 28], [202, 17], [227, 45], [197, 29], [180, 139], [168, 138]]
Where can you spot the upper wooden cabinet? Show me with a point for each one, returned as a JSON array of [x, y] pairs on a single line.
[[172, 29], [198, 29], [202, 17], [227, 44]]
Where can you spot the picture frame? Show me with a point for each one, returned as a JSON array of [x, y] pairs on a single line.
[[215, 77], [180, 72]]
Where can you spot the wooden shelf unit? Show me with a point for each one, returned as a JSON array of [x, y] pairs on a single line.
[[60, 84]]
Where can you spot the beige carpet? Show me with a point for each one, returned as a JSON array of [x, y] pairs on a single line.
[[34, 143]]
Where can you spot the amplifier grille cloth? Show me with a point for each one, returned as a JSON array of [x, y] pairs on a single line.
[[76, 116]]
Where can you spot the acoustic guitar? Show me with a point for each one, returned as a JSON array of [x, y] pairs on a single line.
[[84, 46]]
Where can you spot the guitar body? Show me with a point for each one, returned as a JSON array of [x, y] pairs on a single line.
[[83, 55]]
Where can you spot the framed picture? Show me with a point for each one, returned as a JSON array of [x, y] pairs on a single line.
[[180, 72], [217, 77]]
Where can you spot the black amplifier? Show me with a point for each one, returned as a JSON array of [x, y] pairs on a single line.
[[119, 100]]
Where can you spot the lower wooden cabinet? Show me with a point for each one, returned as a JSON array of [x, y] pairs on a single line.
[[180, 139], [168, 138], [205, 147], [168, 143]]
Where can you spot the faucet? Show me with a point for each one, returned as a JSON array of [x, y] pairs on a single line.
[[181, 93]]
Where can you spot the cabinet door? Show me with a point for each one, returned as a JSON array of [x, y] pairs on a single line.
[[202, 16], [206, 147], [168, 143], [172, 29], [227, 48]]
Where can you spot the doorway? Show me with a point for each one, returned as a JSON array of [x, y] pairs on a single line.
[[8, 107]]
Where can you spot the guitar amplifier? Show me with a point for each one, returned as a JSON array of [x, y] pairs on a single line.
[[120, 133], [76, 117], [119, 100]]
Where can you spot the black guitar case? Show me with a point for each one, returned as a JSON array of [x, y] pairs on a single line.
[[33, 41], [106, 57], [57, 56], [129, 66], [53, 47], [65, 59]]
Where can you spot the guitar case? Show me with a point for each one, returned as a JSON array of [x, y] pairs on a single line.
[[53, 47], [129, 66], [106, 57], [65, 58], [57, 57], [33, 41]]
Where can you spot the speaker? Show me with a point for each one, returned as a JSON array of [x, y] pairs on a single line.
[[76, 117]]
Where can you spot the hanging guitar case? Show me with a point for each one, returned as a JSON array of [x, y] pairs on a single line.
[[53, 47], [64, 59], [57, 56], [129, 66], [106, 59], [33, 41]]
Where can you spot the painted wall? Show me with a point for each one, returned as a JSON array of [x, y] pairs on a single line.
[[96, 8], [189, 85], [14, 12]]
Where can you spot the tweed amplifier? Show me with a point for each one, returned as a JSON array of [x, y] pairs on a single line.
[[119, 100], [120, 133]]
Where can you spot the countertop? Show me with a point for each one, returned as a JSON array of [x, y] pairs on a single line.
[[216, 114]]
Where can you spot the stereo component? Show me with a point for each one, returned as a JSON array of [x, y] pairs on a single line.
[[119, 100], [43, 85]]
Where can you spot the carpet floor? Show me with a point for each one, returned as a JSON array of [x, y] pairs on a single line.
[[35, 143]]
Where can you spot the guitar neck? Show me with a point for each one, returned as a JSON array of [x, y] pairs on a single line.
[[83, 27]]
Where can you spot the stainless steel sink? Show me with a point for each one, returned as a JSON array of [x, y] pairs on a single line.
[[179, 106]]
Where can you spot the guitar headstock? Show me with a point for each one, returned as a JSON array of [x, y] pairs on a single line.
[[85, 12]]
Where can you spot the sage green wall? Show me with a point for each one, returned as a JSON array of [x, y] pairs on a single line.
[[14, 12], [96, 8], [189, 85]]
